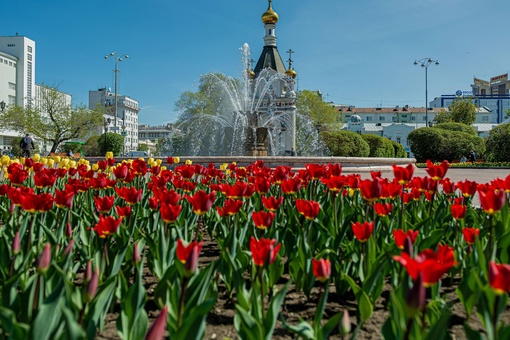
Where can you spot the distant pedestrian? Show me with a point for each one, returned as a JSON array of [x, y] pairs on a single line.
[[26, 144], [472, 156]]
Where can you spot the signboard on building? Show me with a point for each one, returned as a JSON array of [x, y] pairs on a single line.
[[480, 82], [497, 79]]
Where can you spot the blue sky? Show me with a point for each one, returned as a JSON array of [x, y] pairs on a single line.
[[356, 52]]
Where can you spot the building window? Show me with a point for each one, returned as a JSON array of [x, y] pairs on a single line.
[[29, 49], [485, 118], [29, 57], [413, 118], [11, 45], [12, 100], [12, 86], [398, 140], [381, 118], [369, 119]]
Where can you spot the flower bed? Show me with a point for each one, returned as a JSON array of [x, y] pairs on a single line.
[[167, 249]]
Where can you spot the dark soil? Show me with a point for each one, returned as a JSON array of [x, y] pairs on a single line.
[[220, 321]]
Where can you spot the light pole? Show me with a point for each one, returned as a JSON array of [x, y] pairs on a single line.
[[117, 60], [425, 63]]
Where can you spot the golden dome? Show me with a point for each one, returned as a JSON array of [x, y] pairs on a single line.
[[251, 74], [291, 73], [269, 16]]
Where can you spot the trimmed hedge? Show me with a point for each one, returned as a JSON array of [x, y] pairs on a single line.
[[439, 144], [399, 150], [345, 143], [498, 144], [461, 127], [379, 146]]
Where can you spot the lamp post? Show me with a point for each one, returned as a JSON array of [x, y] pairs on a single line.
[[107, 122], [425, 63], [2, 105], [117, 60]]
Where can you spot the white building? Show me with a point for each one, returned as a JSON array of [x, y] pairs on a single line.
[[17, 78], [127, 115]]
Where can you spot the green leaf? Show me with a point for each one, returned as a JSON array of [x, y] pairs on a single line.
[[99, 307], [303, 329], [48, 315], [246, 326], [469, 291], [73, 329], [331, 325], [273, 311]]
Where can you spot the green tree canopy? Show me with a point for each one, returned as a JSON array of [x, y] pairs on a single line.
[[498, 143], [462, 110], [323, 114], [51, 118]]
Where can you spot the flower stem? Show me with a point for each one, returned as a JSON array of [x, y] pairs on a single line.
[[181, 301]]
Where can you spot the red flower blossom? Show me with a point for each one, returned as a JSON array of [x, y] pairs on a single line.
[[458, 211], [230, 207], [492, 200], [291, 186], [17, 175], [107, 226], [400, 237], [383, 209], [272, 203], [316, 171], [166, 196], [448, 186], [263, 251], [321, 269], [335, 183], [437, 172], [188, 255], [104, 204], [499, 277], [309, 209], [158, 328], [33, 203], [169, 212], [468, 188], [262, 219], [470, 234], [201, 201], [121, 171], [403, 174], [262, 185], [64, 198], [333, 170], [362, 231], [139, 166], [45, 178], [235, 191], [430, 264], [153, 203], [123, 211], [131, 195], [371, 190], [44, 261]]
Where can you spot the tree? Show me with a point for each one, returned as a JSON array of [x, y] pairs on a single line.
[[114, 143], [462, 110], [323, 114], [498, 143], [442, 117], [52, 118]]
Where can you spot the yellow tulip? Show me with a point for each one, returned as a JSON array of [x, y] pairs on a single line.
[[176, 160], [150, 160], [5, 160], [72, 164], [159, 161], [51, 162], [63, 163], [57, 159], [36, 157], [223, 166], [109, 155], [44, 160], [95, 166], [163, 167], [189, 162]]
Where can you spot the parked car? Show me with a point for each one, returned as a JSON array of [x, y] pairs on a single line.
[[137, 154]]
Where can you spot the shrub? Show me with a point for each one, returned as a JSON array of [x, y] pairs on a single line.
[[400, 151], [439, 144], [498, 144], [379, 146], [91, 147], [457, 127], [114, 143], [345, 143]]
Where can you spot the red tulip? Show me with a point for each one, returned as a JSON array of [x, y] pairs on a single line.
[[45, 178], [335, 183], [458, 211], [188, 255], [262, 219], [468, 188], [123, 211], [403, 174], [131, 195], [448, 186], [201, 201], [291, 186], [230, 207], [272, 203], [362, 231], [470, 234], [64, 198], [309, 209], [107, 226], [263, 251], [437, 172], [492, 200], [16, 244], [33, 203], [499, 277], [104, 204], [44, 260], [316, 171], [321, 269], [383, 209], [371, 190], [262, 185], [400, 237], [169, 212], [91, 288]]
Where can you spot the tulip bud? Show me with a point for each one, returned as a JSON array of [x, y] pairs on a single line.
[[91, 288], [88, 271], [69, 249], [16, 245], [11, 208], [158, 327], [191, 262], [44, 260], [408, 246], [345, 323], [416, 298], [136, 255], [69, 230]]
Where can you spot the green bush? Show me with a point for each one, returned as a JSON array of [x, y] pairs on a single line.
[[75, 147], [461, 127], [439, 144], [345, 143], [400, 151], [91, 147], [379, 146], [114, 143], [498, 144]]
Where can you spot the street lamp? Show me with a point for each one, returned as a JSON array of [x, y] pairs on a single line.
[[425, 63], [107, 122], [2, 105], [117, 60]]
